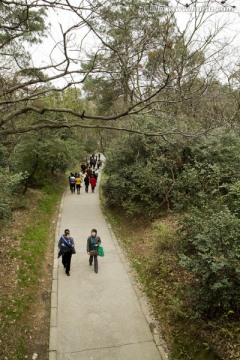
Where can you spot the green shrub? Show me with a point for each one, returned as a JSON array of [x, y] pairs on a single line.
[[40, 157], [5, 208], [211, 253], [10, 184], [232, 198], [149, 175]]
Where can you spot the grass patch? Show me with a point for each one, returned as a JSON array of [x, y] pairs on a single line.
[[21, 350], [26, 274]]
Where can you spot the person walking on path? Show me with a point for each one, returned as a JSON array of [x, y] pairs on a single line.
[[72, 181], [95, 174], [71, 174], [93, 242], [67, 248], [83, 168], [89, 171], [93, 182], [78, 183], [110, 302], [86, 181]]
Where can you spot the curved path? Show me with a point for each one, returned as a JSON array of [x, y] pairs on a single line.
[[96, 316]]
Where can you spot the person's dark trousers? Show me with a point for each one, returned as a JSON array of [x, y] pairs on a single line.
[[78, 189], [63, 259], [95, 261], [86, 188], [72, 187], [66, 260]]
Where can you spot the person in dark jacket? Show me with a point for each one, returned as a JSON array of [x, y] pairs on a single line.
[[83, 167], [86, 181], [67, 248], [95, 174], [93, 242]]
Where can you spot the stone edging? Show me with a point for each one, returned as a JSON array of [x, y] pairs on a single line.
[[54, 292]]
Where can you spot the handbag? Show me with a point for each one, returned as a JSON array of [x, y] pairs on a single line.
[[100, 251], [93, 252], [73, 250]]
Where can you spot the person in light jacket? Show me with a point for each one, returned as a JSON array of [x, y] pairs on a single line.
[[67, 248], [93, 241]]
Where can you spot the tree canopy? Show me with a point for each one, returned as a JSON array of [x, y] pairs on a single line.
[[137, 49]]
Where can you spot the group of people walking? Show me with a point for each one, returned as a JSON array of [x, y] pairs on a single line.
[[88, 175], [66, 247]]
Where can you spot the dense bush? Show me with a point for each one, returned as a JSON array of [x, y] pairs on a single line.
[[40, 157], [43, 157], [211, 252], [232, 198], [31, 161], [148, 175], [202, 180], [136, 183], [10, 185]]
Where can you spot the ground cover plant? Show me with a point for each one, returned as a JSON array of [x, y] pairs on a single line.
[[26, 274]]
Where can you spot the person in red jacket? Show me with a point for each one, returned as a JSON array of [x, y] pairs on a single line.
[[93, 182]]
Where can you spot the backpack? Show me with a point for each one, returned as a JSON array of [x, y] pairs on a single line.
[[72, 180]]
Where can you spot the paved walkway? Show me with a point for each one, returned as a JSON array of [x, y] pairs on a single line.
[[96, 316]]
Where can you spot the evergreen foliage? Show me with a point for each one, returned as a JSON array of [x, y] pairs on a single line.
[[148, 175], [201, 182], [211, 252]]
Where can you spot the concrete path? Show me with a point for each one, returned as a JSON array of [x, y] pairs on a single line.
[[96, 316]]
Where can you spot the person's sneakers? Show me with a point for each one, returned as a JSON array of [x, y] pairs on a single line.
[[68, 274], [90, 264]]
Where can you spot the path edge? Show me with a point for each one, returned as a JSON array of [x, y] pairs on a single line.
[[143, 301], [54, 291]]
